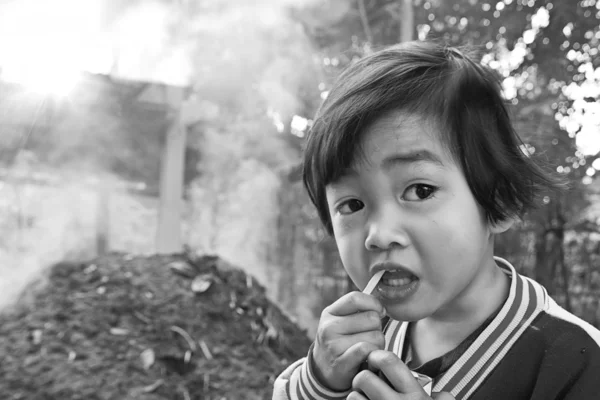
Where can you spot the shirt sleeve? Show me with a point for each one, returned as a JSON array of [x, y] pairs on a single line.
[[298, 382]]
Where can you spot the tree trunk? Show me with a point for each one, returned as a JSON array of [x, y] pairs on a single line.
[[407, 20], [544, 264], [362, 10], [566, 276], [560, 223]]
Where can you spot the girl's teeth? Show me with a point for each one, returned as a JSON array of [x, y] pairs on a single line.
[[397, 282]]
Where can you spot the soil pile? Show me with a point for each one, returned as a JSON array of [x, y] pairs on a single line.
[[161, 327]]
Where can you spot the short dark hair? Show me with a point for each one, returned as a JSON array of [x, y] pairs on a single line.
[[444, 85]]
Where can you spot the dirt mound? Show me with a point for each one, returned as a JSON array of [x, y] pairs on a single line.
[[123, 327]]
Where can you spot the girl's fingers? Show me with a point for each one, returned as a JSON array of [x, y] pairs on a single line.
[[356, 396], [357, 353], [375, 338], [354, 302], [396, 372], [373, 386], [367, 384], [363, 321]]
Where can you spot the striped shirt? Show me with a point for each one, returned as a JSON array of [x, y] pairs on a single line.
[[500, 352]]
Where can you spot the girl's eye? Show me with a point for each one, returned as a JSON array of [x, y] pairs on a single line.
[[419, 192], [350, 206]]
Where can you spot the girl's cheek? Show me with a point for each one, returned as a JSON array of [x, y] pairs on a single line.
[[341, 226], [353, 263]]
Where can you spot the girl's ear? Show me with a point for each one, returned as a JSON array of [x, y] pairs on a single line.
[[503, 225]]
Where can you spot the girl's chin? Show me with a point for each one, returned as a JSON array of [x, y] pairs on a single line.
[[404, 312]]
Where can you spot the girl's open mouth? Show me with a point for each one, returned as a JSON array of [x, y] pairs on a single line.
[[397, 285]]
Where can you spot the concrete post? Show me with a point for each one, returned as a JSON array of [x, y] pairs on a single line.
[[169, 236]]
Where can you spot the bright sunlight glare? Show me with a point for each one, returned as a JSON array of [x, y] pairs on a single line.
[[56, 80], [42, 43]]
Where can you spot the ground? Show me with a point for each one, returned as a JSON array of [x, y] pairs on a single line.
[[161, 327]]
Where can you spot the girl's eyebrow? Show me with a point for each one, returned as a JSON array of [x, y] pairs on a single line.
[[411, 157], [393, 160]]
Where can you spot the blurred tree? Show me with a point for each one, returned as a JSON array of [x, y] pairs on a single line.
[[545, 52]]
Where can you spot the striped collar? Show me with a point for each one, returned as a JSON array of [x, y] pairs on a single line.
[[526, 299]]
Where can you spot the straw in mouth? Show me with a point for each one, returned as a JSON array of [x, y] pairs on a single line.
[[373, 282]]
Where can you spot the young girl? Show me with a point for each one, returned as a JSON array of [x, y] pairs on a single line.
[[414, 167]]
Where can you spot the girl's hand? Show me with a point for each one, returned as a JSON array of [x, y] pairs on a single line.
[[368, 386], [349, 329]]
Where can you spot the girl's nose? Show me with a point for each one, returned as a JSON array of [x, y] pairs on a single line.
[[386, 231]]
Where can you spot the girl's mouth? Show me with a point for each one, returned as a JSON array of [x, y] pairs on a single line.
[[397, 285]]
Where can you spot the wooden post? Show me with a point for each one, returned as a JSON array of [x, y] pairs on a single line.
[[168, 235], [103, 218]]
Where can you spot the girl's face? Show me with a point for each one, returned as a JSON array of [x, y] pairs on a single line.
[[406, 207]]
